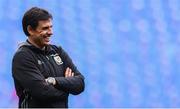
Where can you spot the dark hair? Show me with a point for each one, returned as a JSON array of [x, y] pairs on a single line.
[[33, 16]]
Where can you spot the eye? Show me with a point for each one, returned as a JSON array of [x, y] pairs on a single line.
[[48, 27], [45, 28]]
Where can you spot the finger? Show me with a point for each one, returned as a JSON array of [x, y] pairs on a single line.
[[67, 72], [72, 73]]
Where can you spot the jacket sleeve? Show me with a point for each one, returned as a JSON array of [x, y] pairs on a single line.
[[74, 85], [25, 71]]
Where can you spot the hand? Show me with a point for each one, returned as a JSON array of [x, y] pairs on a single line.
[[51, 80], [69, 72]]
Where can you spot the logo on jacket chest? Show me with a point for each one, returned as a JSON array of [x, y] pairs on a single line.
[[58, 59]]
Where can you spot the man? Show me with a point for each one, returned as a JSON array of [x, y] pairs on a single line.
[[44, 75]]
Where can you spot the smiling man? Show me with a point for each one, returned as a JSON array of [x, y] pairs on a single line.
[[44, 74]]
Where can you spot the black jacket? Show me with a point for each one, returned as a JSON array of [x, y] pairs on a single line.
[[31, 66]]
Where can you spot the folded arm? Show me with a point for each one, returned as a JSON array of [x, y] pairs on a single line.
[[25, 71]]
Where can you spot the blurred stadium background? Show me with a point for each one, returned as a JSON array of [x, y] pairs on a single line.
[[128, 50]]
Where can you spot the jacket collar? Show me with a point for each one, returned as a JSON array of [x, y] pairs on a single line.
[[48, 49]]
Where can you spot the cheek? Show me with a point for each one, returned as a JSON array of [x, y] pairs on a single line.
[[38, 39], [42, 33]]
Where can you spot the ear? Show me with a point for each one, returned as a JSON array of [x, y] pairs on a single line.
[[30, 30]]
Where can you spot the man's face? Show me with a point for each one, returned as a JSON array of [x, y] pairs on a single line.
[[41, 35]]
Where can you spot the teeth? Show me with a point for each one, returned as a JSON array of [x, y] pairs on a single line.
[[47, 38]]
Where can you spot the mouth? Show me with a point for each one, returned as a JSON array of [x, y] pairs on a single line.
[[47, 39]]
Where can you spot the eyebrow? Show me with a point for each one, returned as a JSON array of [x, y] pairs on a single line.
[[47, 26]]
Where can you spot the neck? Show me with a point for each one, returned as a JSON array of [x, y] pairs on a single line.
[[36, 45]]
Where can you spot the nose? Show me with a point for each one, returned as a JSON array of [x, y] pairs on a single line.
[[50, 31]]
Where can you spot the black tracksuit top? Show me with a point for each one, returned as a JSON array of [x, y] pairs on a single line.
[[31, 66]]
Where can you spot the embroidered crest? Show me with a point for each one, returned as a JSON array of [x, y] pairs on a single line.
[[58, 60]]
